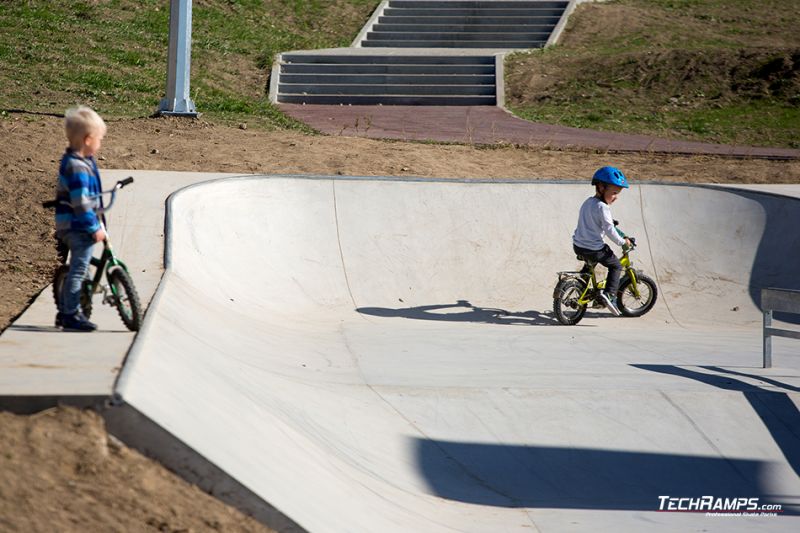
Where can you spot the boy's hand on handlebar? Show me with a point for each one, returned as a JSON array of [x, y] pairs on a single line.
[[99, 235]]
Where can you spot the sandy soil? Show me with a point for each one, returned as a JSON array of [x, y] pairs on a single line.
[[59, 471]]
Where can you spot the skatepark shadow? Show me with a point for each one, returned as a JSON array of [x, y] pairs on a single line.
[[504, 475], [463, 311], [775, 262], [775, 409], [53, 329], [37, 329], [765, 379]]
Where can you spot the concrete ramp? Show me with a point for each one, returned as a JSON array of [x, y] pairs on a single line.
[[379, 355]]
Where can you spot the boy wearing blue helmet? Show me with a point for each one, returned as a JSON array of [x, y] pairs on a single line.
[[594, 222]]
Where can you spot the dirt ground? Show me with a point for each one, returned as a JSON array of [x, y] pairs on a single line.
[[59, 471]]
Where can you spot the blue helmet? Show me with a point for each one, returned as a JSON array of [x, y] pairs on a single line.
[[611, 175]]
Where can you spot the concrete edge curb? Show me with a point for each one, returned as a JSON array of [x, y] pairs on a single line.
[[139, 432], [500, 79], [366, 28], [27, 405], [274, 78]]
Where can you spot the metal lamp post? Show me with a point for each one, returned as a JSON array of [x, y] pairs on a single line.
[[177, 101]]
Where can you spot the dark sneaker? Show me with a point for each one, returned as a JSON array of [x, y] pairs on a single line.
[[77, 322], [60, 318], [610, 303]]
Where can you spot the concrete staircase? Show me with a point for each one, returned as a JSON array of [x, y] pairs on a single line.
[[465, 24], [420, 52], [387, 79]]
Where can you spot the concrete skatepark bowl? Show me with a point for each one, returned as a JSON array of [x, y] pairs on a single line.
[[379, 355]]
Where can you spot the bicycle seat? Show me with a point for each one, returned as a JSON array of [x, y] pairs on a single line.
[[589, 262]]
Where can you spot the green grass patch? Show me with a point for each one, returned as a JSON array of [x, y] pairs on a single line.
[[763, 123], [112, 54], [710, 70]]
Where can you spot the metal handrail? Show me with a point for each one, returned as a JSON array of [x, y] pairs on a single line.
[[783, 301]]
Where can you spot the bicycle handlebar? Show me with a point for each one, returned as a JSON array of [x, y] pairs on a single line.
[[120, 184], [632, 246], [50, 204]]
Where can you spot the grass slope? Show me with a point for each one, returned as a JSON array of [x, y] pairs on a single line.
[[112, 54], [713, 70]]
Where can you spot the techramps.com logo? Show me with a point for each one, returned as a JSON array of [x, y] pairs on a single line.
[[715, 506]]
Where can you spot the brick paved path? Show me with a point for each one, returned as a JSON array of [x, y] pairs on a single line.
[[491, 125]]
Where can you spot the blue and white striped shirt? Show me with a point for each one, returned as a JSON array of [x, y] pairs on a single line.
[[77, 194]]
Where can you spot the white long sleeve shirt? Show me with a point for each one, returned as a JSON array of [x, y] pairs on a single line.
[[594, 221]]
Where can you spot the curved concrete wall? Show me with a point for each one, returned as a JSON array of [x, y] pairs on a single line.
[[254, 353], [711, 249]]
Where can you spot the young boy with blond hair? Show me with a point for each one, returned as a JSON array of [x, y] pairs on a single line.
[[78, 225]]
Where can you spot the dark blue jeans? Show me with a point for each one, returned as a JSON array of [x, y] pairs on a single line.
[[81, 245], [605, 256]]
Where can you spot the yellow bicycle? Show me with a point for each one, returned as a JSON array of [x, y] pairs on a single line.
[[576, 291]]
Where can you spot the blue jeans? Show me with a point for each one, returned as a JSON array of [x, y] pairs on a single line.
[[80, 245]]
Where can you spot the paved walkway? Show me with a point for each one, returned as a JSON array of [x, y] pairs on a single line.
[[492, 125], [40, 365]]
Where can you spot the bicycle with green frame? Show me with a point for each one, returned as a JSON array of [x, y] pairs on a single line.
[[577, 290], [119, 291]]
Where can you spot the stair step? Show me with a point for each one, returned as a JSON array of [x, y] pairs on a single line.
[[413, 100], [434, 90], [466, 28], [341, 68], [472, 12], [388, 79], [376, 43], [410, 36], [464, 20], [379, 59], [432, 4]]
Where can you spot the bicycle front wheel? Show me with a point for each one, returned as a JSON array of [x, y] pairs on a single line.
[[565, 302], [126, 299], [629, 304]]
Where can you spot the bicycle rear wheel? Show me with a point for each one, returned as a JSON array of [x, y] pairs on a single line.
[[565, 302], [126, 299]]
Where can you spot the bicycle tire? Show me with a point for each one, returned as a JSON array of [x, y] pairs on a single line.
[[126, 299], [627, 302], [565, 306], [86, 290]]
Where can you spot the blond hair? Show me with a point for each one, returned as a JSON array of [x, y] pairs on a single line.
[[81, 121]]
